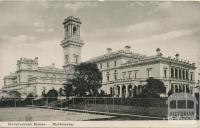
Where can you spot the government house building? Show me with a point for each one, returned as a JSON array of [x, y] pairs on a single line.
[[124, 72]]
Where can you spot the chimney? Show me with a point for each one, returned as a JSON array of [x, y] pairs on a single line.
[[127, 48], [109, 50], [177, 56], [158, 51]]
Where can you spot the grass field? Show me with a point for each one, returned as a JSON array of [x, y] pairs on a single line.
[[39, 114]]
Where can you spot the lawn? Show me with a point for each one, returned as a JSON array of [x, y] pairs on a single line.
[[40, 114]]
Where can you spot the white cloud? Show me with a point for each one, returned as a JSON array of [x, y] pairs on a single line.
[[165, 4], [168, 35], [149, 26], [38, 24], [50, 30], [137, 3], [78, 5], [138, 28], [18, 39], [40, 27]]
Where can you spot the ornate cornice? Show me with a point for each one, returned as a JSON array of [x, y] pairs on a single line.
[[120, 53], [72, 41]]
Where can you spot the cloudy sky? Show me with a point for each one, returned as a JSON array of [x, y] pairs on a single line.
[[34, 29]]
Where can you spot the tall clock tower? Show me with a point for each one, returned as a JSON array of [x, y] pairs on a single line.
[[71, 44]]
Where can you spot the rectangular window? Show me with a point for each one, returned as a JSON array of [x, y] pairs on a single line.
[[191, 76], [129, 74], [165, 73], [107, 64], [115, 63], [135, 73], [115, 77], [124, 75], [149, 72], [176, 73], [180, 74], [183, 74], [100, 66], [19, 80], [187, 74], [108, 78], [172, 72]]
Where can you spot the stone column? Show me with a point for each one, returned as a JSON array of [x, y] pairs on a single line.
[[178, 88], [120, 91], [70, 30], [127, 91], [185, 87], [177, 73], [78, 31], [184, 74], [174, 72], [173, 88], [115, 91]]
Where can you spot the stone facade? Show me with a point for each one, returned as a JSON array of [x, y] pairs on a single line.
[[124, 72], [30, 78]]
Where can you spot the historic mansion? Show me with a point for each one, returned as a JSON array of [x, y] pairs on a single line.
[[124, 72]]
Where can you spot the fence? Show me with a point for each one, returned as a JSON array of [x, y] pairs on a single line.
[[152, 107]]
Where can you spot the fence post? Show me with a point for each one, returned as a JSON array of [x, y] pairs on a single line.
[[95, 104], [32, 102], [113, 105], [84, 103], [121, 105], [72, 102], [61, 104], [15, 102], [47, 102]]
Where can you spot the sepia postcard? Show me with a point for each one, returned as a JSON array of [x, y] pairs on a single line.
[[99, 63]]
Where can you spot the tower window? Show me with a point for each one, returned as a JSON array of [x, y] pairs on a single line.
[[100, 66], [66, 59], [76, 58], [74, 30]]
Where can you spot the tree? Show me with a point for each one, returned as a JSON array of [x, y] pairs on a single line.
[[52, 95], [14, 94], [87, 80], [68, 88], [153, 88], [29, 99]]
